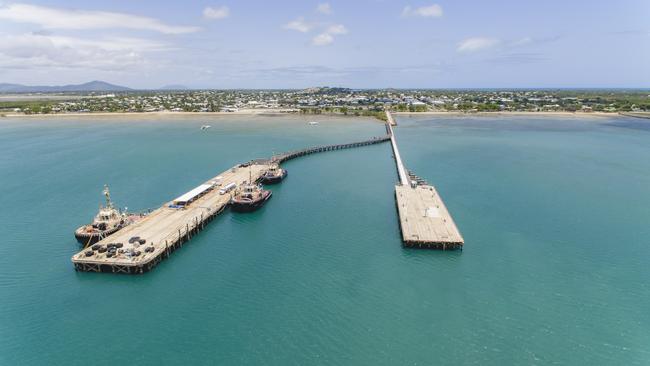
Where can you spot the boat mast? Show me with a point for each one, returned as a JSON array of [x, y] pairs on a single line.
[[107, 194]]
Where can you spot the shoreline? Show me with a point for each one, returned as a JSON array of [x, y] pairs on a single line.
[[295, 113], [501, 114], [152, 114]]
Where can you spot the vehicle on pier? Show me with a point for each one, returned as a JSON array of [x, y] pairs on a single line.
[[273, 175], [107, 221], [249, 198]]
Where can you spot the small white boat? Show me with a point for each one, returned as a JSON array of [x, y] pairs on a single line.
[[205, 127], [312, 123]]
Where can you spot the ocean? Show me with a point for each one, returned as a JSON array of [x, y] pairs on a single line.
[[555, 212]]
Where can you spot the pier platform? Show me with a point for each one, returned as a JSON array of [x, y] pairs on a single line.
[[167, 228], [424, 219]]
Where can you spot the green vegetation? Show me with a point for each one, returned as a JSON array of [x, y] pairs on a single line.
[[345, 101], [27, 107], [403, 107], [346, 111]]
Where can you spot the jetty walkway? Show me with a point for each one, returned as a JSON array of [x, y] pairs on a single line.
[[167, 228], [424, 219], [316, 149]]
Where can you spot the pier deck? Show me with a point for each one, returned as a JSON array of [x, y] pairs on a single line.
[[165, 228], [390, 119], [168, 227], [424, 219]]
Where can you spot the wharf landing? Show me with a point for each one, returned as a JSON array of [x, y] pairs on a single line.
[[141, 246], [165, 229], [424, 219]]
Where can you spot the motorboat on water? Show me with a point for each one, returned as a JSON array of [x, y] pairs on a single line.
[[273, 175], [205, 127], [249, 198]]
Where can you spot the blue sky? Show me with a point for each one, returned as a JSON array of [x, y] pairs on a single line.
[[353, 43]]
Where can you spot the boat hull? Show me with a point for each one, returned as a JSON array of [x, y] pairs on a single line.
[[89, 238], [274, 179], [250, 206]]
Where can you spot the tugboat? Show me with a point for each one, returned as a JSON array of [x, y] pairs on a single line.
[[249, 198], [107, 221], [273, 175]]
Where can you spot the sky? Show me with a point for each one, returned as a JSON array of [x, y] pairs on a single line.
[[270, 44]]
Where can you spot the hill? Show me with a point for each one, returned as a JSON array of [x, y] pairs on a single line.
[[93, 86]]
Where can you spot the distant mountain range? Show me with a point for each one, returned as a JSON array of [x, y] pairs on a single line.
[[93, 86]]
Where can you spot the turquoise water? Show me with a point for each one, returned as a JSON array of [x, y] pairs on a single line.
[[555, 214]]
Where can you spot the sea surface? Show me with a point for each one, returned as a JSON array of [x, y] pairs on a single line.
[[555, 212]]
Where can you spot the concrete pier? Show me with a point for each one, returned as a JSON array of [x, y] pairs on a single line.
[[401, 170], [390, 119], [167, 228], [424, 219]]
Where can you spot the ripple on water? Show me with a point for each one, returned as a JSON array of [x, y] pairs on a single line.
[[553, 271]]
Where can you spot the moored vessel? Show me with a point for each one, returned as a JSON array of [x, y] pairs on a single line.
[[107, 221], [249, 198], [273, 175]]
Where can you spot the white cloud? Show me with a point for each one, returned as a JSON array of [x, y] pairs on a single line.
[[46, 51], [336, 29], [327, 37], [299, 25], [433, 10], [324, 8], [216, 13], [327, 30], [521, 42], [475, 44], [52, 18], [322, 39]]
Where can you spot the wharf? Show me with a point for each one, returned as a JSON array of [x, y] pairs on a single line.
[[170, 226], [424, 219], [165, 229]]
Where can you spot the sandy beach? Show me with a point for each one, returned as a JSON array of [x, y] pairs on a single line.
[[528, 114], [152, 114]]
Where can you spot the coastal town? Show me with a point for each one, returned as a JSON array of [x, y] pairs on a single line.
[[329, 100]]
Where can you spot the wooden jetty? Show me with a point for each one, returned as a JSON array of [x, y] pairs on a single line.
[[167, 228], [424, 219], [316, 149]]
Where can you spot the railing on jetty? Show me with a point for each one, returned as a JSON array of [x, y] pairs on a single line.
[[316, 149]]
